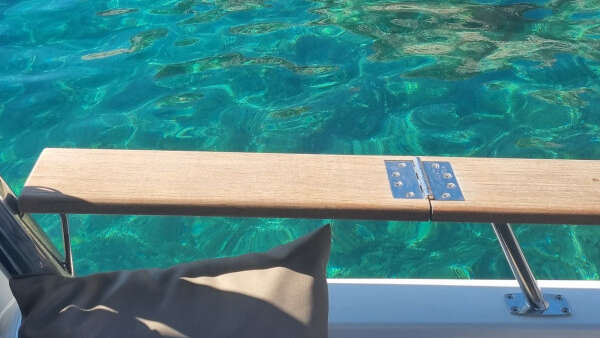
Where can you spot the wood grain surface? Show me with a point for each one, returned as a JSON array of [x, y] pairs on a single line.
[[214, 183], [307, 186], [523, 191]]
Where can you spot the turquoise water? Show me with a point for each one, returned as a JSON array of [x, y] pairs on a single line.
[[464, 78]]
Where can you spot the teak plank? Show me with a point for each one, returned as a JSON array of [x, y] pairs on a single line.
[[300, 185], [523, 191], [214, 184]]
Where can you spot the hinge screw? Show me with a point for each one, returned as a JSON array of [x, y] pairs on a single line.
[[450, 185], [446, 195], [447, 175], [396, 174], [398, 183], [410, 194], [402, 165]]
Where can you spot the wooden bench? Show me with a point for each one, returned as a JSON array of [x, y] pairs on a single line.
[[93, 181]]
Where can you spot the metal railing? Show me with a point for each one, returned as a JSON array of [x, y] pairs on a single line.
[[24, 247], [532, 301]]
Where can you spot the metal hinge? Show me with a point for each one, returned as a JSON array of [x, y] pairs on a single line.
[[433, 180]]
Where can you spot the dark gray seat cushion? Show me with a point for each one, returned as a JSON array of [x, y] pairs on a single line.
[[279, 293]]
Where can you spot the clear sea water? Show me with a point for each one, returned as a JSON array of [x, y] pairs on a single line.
[[490, 78]]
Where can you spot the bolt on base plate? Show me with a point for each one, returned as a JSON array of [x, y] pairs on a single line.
[[557, 305]]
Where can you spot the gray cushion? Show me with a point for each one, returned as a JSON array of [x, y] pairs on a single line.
[[279, 293]]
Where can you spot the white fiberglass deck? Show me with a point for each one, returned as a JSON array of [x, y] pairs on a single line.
[[414, 308]]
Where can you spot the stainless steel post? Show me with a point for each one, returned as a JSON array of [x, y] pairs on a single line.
[[67, 244], [518, 264]]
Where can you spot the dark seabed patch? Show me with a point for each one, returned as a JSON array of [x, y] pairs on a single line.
[[185, 42], [258, 28], [137, 43], [117, 11], [236, 60]]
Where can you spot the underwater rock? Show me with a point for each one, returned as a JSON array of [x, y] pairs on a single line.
[[200, 65], [258, 28], [415, 8], [304, 70], [222, 8], [117, 11], [537, 142], [147, 38], [271, 60], [137, 42], [106, 54], [289, 112], [313, 70], [186, 42], [239, 5], [203, 17], [568, 98], [428, 49], [182, 7], [306, 122], [233, 60], [463, 38]]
